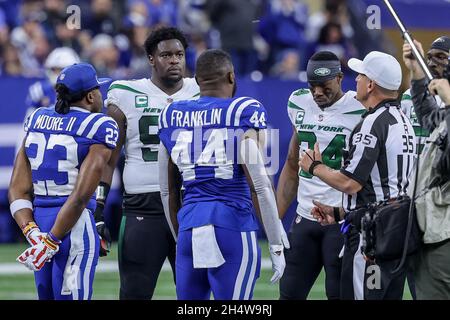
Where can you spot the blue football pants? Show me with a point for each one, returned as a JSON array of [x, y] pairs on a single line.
[[233, 280], [70, 273]]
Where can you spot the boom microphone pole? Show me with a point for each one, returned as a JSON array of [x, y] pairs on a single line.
[[428, 74], [408, 38]]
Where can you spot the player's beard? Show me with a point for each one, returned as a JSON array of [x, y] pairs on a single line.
[[171, 81], [234, 89]]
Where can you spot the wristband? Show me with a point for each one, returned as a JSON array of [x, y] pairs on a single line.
[[313, 165], [20, 204], [52, 237], [26, 228], [102, 191], [337, 214]]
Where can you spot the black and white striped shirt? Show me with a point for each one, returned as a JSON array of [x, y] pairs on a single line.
[[381, 156]]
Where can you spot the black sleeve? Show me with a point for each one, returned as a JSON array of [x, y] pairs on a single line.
[[426, 107]]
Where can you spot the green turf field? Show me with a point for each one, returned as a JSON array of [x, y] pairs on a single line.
[[106, 285]]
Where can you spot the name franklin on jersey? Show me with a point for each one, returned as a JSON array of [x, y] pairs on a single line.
[[196, 118]]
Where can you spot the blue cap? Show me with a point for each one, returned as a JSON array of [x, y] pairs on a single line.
[[80, 77]]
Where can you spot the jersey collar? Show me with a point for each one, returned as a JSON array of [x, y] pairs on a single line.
[[385, 103], [79, 109]]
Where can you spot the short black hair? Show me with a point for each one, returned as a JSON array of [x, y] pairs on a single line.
[[162, 34], [213, 63], [324, 56]]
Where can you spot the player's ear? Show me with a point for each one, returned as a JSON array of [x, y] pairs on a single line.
[[339, 78], [90, 97], [231, 77], [151, 59]]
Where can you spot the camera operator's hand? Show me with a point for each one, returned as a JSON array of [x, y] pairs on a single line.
[[442, 88], [411, 62]]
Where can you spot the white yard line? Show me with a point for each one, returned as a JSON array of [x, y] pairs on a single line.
[[103, 267]]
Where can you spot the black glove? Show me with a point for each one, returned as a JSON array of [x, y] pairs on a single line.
[[102, 230], [105, 238]]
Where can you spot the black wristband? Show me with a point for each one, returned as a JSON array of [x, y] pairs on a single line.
[[313, 165], [337, 214], [102, 192]]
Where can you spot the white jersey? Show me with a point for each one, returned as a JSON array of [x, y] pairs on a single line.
[[141, 101], [331, 128], [408, 109]]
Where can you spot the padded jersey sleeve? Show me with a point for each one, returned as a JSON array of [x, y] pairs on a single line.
[[251, 114], [113, 95], [105, 131]]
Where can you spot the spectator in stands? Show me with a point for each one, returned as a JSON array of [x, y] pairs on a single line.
[[193, 18], [282, 27], [332, 39], [42, 93], [333, 11], [161, 12], [33, 46], [137, 27], [234, 20], [54, 14], [100, 19], [10, 61], [289, 66], [4, 30], [197, 45], [105, 57]]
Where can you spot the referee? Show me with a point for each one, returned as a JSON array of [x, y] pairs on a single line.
[[380, 161]]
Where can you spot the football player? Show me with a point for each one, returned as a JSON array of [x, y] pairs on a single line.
[[327, 115], [211, 144], [145, 239], [53, 183]]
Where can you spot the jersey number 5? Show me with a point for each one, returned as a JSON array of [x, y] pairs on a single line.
[[148, 134]]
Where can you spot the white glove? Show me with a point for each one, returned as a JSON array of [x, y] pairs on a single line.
[[36, 256], [284, 237], [278, 262], [32, 233]]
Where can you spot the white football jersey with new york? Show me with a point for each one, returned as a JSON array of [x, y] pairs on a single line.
[[141, 101], [331, 128]]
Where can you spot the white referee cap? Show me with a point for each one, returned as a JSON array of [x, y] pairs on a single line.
[[380, 67]]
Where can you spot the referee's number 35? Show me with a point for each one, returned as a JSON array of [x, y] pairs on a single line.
[[408, 143]]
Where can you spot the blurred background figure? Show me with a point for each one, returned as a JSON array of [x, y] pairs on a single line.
[[233, 19], [282, 27], [42, 93], [289, 66], [105, 55]]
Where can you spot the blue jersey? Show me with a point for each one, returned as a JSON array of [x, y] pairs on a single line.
[[202, 137], [41, 94], [56, 146]]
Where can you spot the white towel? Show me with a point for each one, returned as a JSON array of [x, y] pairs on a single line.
[[205, 250]]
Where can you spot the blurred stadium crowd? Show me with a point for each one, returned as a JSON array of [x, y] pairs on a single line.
[[274, 37]]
